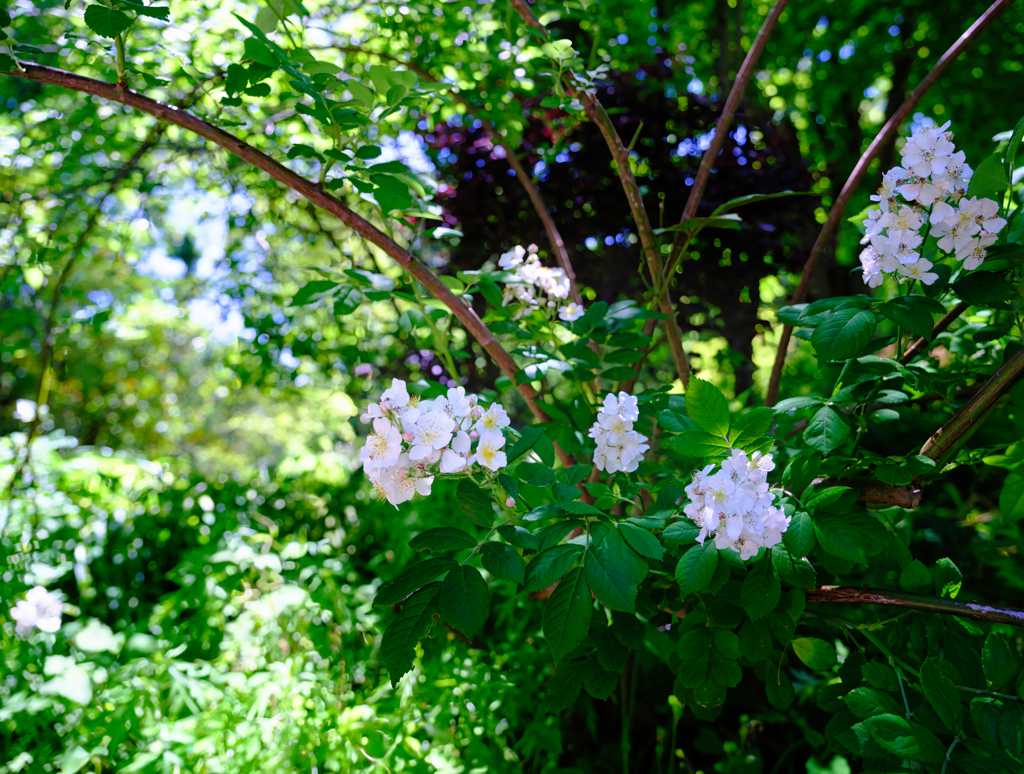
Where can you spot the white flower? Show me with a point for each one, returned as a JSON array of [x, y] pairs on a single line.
[[396, 396], [735, 505], [571, 312], [919, 271], [904, 244], [456, 457], [928, 152], [382, 447], [492, 420], [455, 404], [623, 404], [871, 261], [25, 410], [985, 211], [973, 254], [619, 447], [488, 450], [40, 609], [923, 190], [886, 194], [513, 258], [432, 432], [398, 485]]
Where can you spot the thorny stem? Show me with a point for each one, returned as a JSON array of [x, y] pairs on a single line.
[[881, 139], [977, 610]]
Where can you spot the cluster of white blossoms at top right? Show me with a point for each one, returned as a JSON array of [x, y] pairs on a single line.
[[619, 446], [933, 184], [535, 278], [40, 609], [734, 504]]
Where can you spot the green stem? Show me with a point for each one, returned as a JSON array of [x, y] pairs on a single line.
[[119, 46], [948, 753]]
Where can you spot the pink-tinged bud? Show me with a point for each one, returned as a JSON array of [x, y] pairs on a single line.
[[510, 502], [407, 436], [474, 435], [476, 412], [385, 405]]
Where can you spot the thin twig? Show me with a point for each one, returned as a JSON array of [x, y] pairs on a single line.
[[940, 326], [932, 604], [887, 132]]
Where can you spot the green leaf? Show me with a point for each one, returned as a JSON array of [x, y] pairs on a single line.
[[796, 404], [761, 590], [552, 534], [1000, 660], [567, 614], [947, 578], [550, 565], [612, 654], [852, 536], [815, 653], [599, 682], [698, 444], [398, 644], [751, 426], [465, 600], [695, 224], [564, 686], [942, 694], [779, 688], [826, 431], [726, 642], [915, 578], [707, 406], [905, 738], [475, 503], [989, 179], [503, 562], [983, 288], [411, 579], [821, 499], [912, 313], [868, 702], [347, 300], [1011, 498], [442, 539], [985, 714], [627, 630], [794, 571], [529, 438], [844, 334], [642, 541], [1011, 148], [799, 538], [613, 571], [756, 640], [695, 568], [739, 201], [678, 533], [106, 22], [672, 422], [313, 291]]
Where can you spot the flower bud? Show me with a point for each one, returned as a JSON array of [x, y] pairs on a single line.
[[407, 436], [473, 435], [510, 502]]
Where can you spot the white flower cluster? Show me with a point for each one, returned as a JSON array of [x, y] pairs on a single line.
[[735, 505], [414, 439], [934, 177], [537, 277], [40, 609], [619, 446]]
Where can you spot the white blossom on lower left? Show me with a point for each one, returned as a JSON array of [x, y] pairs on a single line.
[[414, 440], [40, 609], [619, 446]]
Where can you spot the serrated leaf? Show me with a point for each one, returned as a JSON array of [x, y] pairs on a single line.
[[794, 571], [698, 443], [751, 426], [627, 630], [695, 568], [567, 614], [815, 653], [912, 313], [844, 334], [707, 406], [761, 590], [411, 579], [529, 438], [947, 578], [739, 201], [680, 533], [779, 688], [442, 539], [612, 654], [564, 686], [1011, 497], [1000, 659], [915, 577], [821, 499], [398, 644], [106, 22], [599, 682], [642, 541], [989, 178], [550, 565], [503, 562], [983, 288], [695, 224], [826, 431], [756, 640], [799, 537], [613, 571], [475, 503], [313, 291], [905, 738], [465, 600], [942, 694], [853, 536]]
